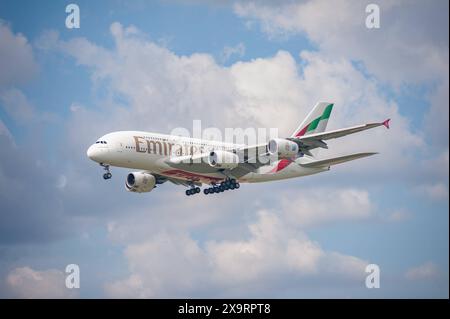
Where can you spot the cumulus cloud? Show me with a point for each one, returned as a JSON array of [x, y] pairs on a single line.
[[339, 30], [324, 205], [16, 57], [238, 51], [410, 48], [176, 264], [17, 105], [25, 282]]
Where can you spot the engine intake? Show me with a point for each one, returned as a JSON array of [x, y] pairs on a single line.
[[140, 182], [282, 148], [223, 159]]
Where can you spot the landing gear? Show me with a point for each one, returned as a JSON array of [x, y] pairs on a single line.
[[192, 191], [223, 186], [108, 174], [229, 183]]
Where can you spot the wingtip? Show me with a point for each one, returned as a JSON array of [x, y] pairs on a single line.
[[386, 123]]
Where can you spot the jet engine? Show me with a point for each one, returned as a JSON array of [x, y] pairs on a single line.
[[223, 159], [282, 148], [140, 182]]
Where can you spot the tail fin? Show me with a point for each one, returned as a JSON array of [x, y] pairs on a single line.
[[315, 122]]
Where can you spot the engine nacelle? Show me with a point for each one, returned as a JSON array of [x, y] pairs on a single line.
[[140, 182], [223, 159], [282, 148]]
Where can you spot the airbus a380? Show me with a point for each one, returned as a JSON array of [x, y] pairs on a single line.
[[222, 166]]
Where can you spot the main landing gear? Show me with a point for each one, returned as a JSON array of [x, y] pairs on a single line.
[[228, 184], [224, 186], [192, 191], [108, 174]]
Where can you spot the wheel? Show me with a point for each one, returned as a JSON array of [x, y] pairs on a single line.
[[105, 176], [227, 187], [188, 192], [109, 175], [197, 190], [232, 186], [216, 189], [237, 185], [206, 191]]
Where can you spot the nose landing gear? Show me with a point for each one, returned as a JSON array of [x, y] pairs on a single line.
[[108, 174]]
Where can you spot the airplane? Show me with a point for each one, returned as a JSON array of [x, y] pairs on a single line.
[[221, 166]]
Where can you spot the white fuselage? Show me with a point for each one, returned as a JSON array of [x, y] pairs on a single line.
[[152, 152]]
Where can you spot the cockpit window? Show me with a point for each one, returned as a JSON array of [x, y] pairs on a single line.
[[101, 142]]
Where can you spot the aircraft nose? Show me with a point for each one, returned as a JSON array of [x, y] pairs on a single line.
[[93, 152], [90, 152]]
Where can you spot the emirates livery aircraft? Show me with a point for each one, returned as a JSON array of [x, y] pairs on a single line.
[[222, 166]]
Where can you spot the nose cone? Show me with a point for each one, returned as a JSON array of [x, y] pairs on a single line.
[[95, 153], [91, 152]]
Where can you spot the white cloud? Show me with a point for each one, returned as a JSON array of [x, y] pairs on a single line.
[[324, 205], [174, 264], [228, 52], [17, 105], [402, 50], [410, 48], [426, 271], [16, 57], [25, 282]]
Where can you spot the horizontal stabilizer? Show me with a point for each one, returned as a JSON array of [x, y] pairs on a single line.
[[336, 160]]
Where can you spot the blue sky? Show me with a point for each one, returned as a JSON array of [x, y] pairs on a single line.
[[155, 66]]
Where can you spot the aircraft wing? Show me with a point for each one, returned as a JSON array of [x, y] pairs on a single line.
[[250, 159], [160, 179], [335, 160]]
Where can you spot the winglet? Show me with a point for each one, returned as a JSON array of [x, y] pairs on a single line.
[[386, 123]]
